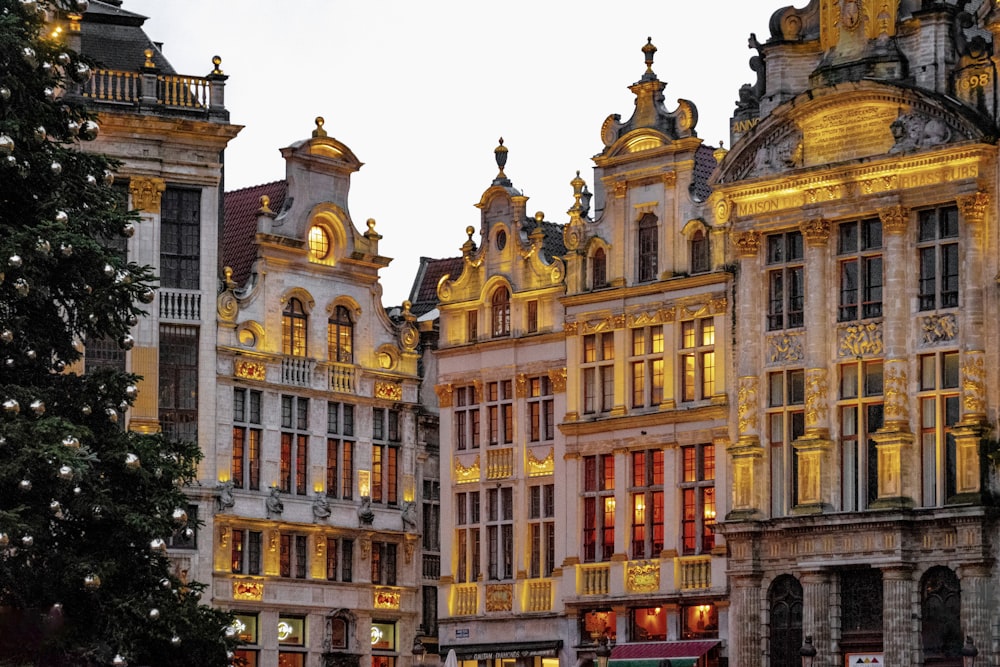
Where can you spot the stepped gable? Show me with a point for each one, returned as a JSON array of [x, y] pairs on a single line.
[[239, 247]]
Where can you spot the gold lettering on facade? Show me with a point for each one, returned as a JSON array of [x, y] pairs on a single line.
[[146, 193], [894, 219], [847, 132], [858, 340], [748, 243], [742, 126]]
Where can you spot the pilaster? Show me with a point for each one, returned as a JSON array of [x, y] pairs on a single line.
[[897, 606], [898, 469], [816, 596], [745, 646], [976, 608]]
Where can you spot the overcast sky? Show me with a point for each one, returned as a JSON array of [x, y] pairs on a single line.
[[421, 91]]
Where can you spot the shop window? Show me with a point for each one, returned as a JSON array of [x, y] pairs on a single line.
[[598, 623], [291, 633], [700, 621], [648, 624]]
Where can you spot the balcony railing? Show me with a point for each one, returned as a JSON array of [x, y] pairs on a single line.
[[466, 599], [694, 572], [297, 371], [594, 579], [343, 378], [499, 463], [175, 91], [180, 305], [431, 566], [538, 595]]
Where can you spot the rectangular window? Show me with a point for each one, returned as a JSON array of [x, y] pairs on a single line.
[[532, 316], [541, 530], [340, 450], [180, 238], [785, 424], [471, 326], [647, 249], [786, 289], [541, 410], [598, 372], [859, 247], [500, 412], [500, 533], [294, 445], [646, 362], [861, 414], [698, 498], [467, 537], [293, 556], [646, 506], [383, 562], [598, 507], [937, 251], [245, 551], [940, 410], [466, 410], [247, 431], [697, 359], [178, 369], [386, 438]]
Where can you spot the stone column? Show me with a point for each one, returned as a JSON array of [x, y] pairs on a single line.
[[816, 596], [973, 210], [744, 627], [976, 607], [747, 456], [897, 613], [813, 449]]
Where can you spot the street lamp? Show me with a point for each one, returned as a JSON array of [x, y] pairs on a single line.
[[418, 650], [969, 652], [603, 651], [808, 651]]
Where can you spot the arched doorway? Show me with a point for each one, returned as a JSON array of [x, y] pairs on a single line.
[[784, 600]]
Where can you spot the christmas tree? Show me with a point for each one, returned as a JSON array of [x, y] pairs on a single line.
[[86, 507]]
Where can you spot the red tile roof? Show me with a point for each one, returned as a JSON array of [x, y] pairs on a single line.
[[239, 248], [661, 650]]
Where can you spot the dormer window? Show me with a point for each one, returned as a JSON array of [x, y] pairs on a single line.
[[319, 242], [599, 269], [646, 249], [501, 240], [500, 311], [699, 252]]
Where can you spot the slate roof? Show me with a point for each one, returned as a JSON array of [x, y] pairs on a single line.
[[704, 167], [114, 38], [553, 245], [423, 293], [239, 231]]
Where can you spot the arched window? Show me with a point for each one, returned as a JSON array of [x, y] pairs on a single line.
[[699, 252], [646, 249], [940, 617], [598, 269], [500, 310], [319, 242], [340, 336], [784, 600], [293, 329]]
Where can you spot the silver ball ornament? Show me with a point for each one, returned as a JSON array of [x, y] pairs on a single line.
[[91, 180], [109, 177], [38, 407], [175, 641], [40, 133], [6, 335], [54, 507], [4, 93], [158, 546], [64, 59], [29, 56], [179, 515], [89, 130], [6, 145], [14, 261], [56, 168], [154, 614], [77, 490], [49, 93], [132, 461], [112, 415], [119, 661], [59, 365], [65, 472], [127, 342], [11, 406], [230, 631], [73, 127], [66, 249], [21, 287], [27, 541], [131, 391], [128, 231], [4, 539], [109, 270], [86, 410], [92, 582], [43, 246], [82, 5], [32, 355], [24, 485], [29, 6], [146, 296], [165, 584], [82, 73], [62, 217]]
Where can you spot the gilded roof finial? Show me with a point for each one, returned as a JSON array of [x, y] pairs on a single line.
[[649, 50], [319, 131], [216, 61], [500, 153], [720, 152], [149, 58], [265, 205]]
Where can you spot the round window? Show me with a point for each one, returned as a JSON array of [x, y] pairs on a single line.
[[319, 242], [501, 239]]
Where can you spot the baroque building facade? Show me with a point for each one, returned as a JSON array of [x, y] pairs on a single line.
[[859, 197], [583, 395], [325, 464]]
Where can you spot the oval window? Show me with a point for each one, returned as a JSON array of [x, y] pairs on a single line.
[[319, 242], [501, 240]]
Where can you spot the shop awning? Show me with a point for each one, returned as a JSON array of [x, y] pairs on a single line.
[[660, 654], [498, 651]]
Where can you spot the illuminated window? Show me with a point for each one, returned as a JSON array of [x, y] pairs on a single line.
[[294, 445], [383, 562], [500, 412], [466, 418], [293, 556], [937, 248], [542, 530], [597, 623], [247, 433], [786, 289], [541, 409], [647, 249], [699, 252], [500, 533], [293, 329], [386, 438], [340, 336], [319, 242], [467, 518], [598, 372], [340, 450], [246, 632], [940, 410], [649, 624], [859, 246], [338, 632], [245, 551], [291, 633], [698, 498], [861, 414], [599, 269], [598, 507], [500, 312], [647, 504], [697, 359], [785, 423], [646, 362], [699, 621]]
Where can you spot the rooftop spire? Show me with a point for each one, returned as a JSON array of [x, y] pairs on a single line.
[[500, 153], [649, 51]]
